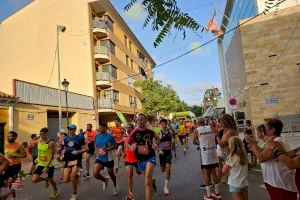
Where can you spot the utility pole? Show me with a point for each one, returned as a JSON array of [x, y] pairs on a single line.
[[59, 28]]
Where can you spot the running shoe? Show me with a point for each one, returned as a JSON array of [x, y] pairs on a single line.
[[87, 175], [216, 195], [54, 194], [116, 190], [203, 186], [116, 170], [166, 191], [74, 197], [104, 184], [208, 197], [130, 196], [154, 186]]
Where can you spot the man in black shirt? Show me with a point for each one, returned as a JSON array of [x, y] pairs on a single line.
[[142, 140]]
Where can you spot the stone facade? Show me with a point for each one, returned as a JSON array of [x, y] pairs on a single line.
[[266, 50]]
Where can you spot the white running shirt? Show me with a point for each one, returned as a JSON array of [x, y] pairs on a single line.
[[208, 146], [277, 174]]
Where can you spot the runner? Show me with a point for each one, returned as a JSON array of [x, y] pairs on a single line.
[[142, 141], [205, 138], [3, 164], [45, 164], [118, 134], [60, 147], [104, 144], [182, 134], [32, 149], [165, 152], [90, 141], [74, 148], [130, 163], [174, 137], [13, 152]]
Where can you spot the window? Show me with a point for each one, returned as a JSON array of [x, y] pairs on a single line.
[[131, 64], [132, 101], [111, 94], [131, 81], [140, 55], [130, 45], [111, 69], [125, 40], [146, 63], [115, 96], [110, 23], [127, 61]]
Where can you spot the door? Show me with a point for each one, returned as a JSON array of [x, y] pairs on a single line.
[[2, 137]]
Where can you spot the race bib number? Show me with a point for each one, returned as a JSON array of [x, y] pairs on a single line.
[[72, 163], [143, 149], [101, 152], [43, 158]]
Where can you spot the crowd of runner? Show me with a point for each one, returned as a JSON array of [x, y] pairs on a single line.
[[223, 155]]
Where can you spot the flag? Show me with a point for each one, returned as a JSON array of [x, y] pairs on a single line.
[[217, 32]]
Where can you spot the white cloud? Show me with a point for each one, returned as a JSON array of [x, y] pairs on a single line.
[[165, 80], [136, 12]]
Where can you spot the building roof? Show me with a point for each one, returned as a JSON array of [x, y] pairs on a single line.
[[7, 96]]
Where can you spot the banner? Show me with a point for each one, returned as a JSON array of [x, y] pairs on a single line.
[[122, 118]]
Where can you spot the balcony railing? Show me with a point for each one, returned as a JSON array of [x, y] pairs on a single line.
[[100, 49], [105, 103], [100, 24], [103, 76]]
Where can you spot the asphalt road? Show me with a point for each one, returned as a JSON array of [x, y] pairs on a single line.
[[184, 184]]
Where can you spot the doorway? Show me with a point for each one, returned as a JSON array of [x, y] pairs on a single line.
[[2, 125]]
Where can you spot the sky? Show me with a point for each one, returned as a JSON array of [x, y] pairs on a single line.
[[190, 75]]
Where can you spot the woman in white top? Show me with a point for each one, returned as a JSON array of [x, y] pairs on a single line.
[[237, 166], [278, 178]]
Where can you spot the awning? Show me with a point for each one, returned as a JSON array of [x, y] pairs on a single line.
[[121, 117]]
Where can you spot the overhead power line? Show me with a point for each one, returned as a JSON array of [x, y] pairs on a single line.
[[202, 45]]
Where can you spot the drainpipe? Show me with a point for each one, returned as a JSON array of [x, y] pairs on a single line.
[[11, 118]]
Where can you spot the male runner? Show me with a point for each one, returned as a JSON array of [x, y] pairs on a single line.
[[174, 135], [205, 138], [13, 152], [182, 134], [45, 157], [90, 141], [74, 148], [142, 141], [165, 152], [118, 134], [33, 151], [3, 164], [104, 144]]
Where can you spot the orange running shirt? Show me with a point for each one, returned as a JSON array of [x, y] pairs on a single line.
[[10, 151], [118, 134], [89, 136], [129, 154]]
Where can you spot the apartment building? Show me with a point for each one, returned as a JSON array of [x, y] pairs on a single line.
[[99, 55]]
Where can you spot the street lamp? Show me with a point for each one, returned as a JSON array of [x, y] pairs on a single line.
[[65, 85], [59, 28]]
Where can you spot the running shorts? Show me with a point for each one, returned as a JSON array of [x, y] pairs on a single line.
[[39, 171], [108, 164]]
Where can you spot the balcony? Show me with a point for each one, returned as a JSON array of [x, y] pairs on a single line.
[[102, 54], [105, 104], [100, 28], [103, 80]]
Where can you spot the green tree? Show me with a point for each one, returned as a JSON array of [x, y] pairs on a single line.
[[159, 100], [163, 16], [197, 110]]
